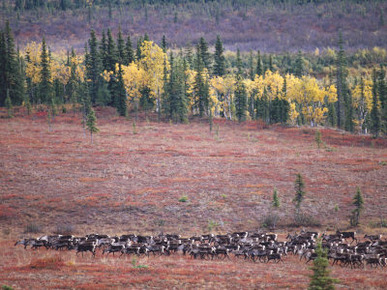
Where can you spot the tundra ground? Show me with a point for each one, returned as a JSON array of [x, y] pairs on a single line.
[[132, 178]]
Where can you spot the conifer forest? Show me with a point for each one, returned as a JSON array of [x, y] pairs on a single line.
[[193, 144]]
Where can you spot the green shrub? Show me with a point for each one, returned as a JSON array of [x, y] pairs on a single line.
[[184, 198]]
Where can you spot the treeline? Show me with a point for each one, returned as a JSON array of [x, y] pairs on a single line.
[[75, 4], [144, 76]]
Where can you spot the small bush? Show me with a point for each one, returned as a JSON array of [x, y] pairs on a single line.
[[138, 266], [184, 198], [211, 225], [5, 287], [33, 228], [270, 221]]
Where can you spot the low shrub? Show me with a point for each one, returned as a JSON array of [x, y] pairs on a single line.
[[184, 198], [270, 221]]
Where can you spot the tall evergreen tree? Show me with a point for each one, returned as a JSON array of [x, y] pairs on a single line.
[[129, 56], [140, 41], [259, 64], [166, 93], [284, 104], [219, 60], [112, 56], [349, 123], [177, 91], [120, 92], [382, 92], [164, 44], [45, 85], [189, 56], [204, 54], [271, 67], [201, 89], [375, 114], [121, 53], [103, 53], [251, 67], [240, 92], [299, 66], [93, 67], [11, 76], [73, 82], [341, 84]]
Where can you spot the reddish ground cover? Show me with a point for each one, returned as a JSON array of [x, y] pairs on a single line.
[[128, 182]]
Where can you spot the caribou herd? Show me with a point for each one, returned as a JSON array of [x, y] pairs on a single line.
[[343, 248]]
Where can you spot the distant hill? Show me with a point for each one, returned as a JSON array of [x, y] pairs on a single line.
[[271, 26]]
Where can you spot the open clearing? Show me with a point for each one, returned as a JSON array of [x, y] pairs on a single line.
[[132, 183]]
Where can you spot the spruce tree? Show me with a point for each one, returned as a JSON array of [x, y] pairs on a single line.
[[382, 92], [276, 201], [341, 84], [140, 41], [11, 76], [299, 66], [284, 103], [271, 67], [251, 67], [129, 53], [321, 280], [358, 203], [375, 114], [146, 37], [172, 106], [111, 57], [189, 56], [299, 187], [349, 123], [73, 82], [180, 110], [45, 85], [201, 90], [103, 53], [121, 53], [120, 96], [219, 60], [259, 64], [240, 92], [166, 93], [93, 67], [332, 116], [204, 54], [164, 44], [91, 124]]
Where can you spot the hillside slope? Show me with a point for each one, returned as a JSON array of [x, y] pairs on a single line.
[[266, 26], [133, 182]]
